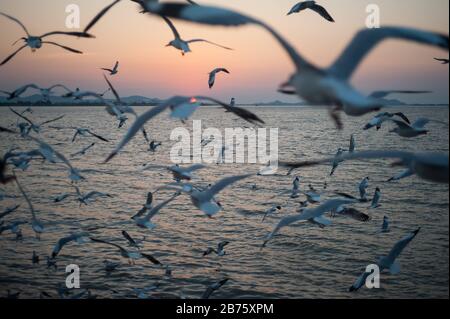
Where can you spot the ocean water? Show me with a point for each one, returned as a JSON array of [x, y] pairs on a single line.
[[303, 261]]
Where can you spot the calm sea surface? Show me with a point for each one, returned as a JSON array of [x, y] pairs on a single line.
[[303, 261]]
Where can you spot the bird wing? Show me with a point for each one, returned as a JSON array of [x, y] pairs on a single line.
[[401, 124], [25, 196], [401, 245], [172, 27], [322, 11], [51, 121], [355, 214], [63, 47], [13, 55], [403, 116], [106, 243], [224, 183], [100, 15], [151, 259], [155, 210], [129, 238], [368, 39], [210, 42], [73, 34], [97, 136], [17, 21], [116, 66], [116, 95], [21, 116]]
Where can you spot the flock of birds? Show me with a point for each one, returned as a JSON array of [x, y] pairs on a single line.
[[325, 87]]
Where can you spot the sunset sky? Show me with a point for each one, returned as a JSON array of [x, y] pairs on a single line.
[[258, 65]]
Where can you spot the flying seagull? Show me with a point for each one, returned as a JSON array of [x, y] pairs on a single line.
[[183, 45], [388, 262], [19, 91], [146, 221], [312, 5], [79, 238], [429, 166], [220, 249], [380, 118], [314, 215], [182, 108], [36, 127], [131, 256], [214, 287], [84, 150], [212, 76], [36, 42], [86, 132], [114, 70], [410, 130], [317, 86]]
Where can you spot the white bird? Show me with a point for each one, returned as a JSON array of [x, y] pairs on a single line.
[[428, 166], [182, 108], [312, 215], [271, 211], [336, 161], [84, 150], [212, 76], [379, 119], [36, 42], [312, 5], [146, 221], [363, 187], [19, 91], [351, 213], [182, 45], [214, 287], [376, 199], [317, 86], [80, 238], [35, 127], [146, 207], [220, 249], [203, 199], [406, 130], [388, 262], [89, 197], [130, 255], [114, 70], [86, 132]]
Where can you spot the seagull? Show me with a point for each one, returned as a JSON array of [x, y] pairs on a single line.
[[145, 222], [317, 86], [312, 196], [295, 187], [388, 262], [362, 188], [411, 130], [182, 45], [379, 119], [428, 166], [204, 199], [271, 211], [313, 6], [36, 42], [154, 146], [36, 224], [35, 127], [220, 249], [84, 150], [9, 211], [444, 61], [312, 215], [376, 199], [130, 240], [86, 132], [86, 198], [19, 91], [131, 256], [385, 226], [214, 287], [212, 77], [46, 92], [184, 173], [336, 161], [182, 108], [120, 108], [114, 70], [145, 209], [80, 238]]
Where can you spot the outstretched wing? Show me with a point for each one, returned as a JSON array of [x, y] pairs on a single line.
[[13, 55], [322, 11], [100, 15], [63, 47], [368, 39], [17, 21]]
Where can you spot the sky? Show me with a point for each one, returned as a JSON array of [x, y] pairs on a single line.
[[257, 64]]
